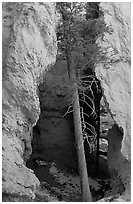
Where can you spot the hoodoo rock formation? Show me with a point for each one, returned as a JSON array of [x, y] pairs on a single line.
[[114, 74], [29, 49]]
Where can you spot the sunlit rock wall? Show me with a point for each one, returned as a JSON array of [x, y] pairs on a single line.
[[29, 49], [115, 76]]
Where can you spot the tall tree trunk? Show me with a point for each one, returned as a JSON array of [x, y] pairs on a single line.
[[98, 136], [85, 189]]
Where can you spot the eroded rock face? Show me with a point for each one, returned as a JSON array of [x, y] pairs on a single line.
[[29, 48], [55, 142], [114, 74]]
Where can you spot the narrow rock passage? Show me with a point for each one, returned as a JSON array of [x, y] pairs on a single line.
[[54, 157], [36, 96]]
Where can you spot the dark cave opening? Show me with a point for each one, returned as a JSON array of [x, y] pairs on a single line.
[[66, 160], [54, 151]]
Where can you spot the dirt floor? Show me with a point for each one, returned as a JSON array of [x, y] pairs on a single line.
[[60, 185]]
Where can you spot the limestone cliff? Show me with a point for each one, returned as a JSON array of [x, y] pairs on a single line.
[[114, 74], [29, 49]]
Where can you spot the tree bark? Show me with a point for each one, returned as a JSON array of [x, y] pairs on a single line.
[[98, 136], [84, 182]]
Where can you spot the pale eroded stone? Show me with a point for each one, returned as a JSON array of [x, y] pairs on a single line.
[[29, 48], [114, 74]]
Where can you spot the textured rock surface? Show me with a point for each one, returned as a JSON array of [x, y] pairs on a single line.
[[56, 139], [114, 74], [29, 48]]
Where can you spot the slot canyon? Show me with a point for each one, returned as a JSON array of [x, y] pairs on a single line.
[[39, 151]]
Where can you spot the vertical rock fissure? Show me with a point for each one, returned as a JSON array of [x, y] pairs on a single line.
[[53, 141], [29, 50]]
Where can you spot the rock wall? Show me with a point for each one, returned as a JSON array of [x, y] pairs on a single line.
[[29, 49], [114, 74], [56, 139]]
